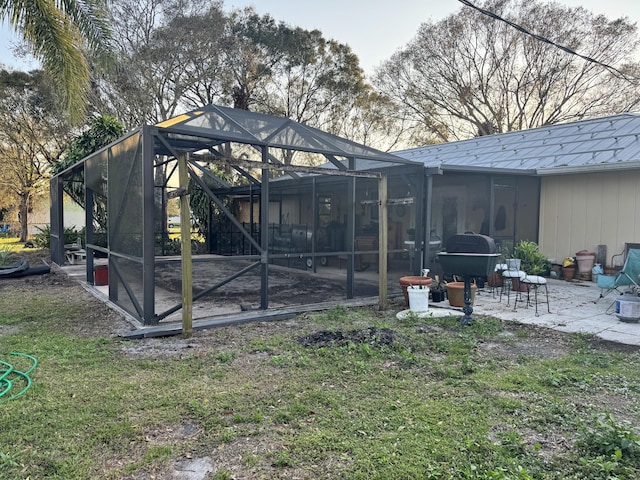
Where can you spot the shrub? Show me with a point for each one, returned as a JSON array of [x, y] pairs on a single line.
[[42, 239], [534, 262]]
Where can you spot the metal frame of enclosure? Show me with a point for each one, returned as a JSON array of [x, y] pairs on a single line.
[[124, 189]]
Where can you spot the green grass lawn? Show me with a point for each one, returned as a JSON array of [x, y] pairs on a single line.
[[10, 249], [343, 394]]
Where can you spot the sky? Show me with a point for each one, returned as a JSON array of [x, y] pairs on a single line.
[[374, 29]]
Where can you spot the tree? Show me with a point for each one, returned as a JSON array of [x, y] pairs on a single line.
[[179, 55], [250, 49], [166, 59], [288, 71], [175, 56], [58, 34], [33, 136], [103, 131], [291, 72], [471, 74], [374, 120], [206, 77], [316, 81]]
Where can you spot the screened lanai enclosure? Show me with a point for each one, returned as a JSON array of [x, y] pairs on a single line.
[[276, 213]]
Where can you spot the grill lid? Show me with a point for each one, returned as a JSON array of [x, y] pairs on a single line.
[[471, 243]]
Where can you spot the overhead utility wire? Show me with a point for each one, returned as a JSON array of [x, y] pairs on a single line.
[[614, 70]]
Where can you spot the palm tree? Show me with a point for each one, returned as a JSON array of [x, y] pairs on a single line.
[[59, 33]]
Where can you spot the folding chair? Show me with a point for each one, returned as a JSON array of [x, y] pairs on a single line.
[[366, 243], [628, 276]]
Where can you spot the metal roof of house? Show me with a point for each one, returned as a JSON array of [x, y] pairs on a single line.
[[599, 144]]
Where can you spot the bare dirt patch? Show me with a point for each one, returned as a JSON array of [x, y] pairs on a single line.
[[287, 286], [538, 343]]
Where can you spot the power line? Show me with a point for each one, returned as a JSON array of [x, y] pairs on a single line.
[[613, 70]]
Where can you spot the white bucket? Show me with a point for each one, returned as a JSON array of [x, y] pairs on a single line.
[[628, 307], [418, 298]]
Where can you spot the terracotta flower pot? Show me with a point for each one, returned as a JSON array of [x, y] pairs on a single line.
[[517, 285], [494, 280], [455, 293], [568, 273]]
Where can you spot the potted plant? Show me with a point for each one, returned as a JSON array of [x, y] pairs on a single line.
[[437, 291], [533, 261], [413, 280], [495, 279], [513, 263], [568, 268]]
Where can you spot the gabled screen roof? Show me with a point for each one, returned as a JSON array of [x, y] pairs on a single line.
[[223, 124]]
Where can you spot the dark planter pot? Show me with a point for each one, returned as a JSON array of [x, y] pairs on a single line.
[[437, 296]]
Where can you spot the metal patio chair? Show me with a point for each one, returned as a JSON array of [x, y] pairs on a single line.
[[627, 277]]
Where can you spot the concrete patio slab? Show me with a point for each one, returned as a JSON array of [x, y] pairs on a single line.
[[574, 307]]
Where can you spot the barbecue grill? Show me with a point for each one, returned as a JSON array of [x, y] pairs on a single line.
[[469, 255]]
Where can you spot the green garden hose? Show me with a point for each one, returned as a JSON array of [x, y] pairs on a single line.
[[8, 375]]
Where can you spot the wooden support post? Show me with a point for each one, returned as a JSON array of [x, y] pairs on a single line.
[[185, 248], [383, 234]]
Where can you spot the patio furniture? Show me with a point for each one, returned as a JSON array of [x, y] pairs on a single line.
[[535, 282], [627, 277], [508, 276], [366, 243], [75, 256], [74, 252], [362, 260], [495, 279]]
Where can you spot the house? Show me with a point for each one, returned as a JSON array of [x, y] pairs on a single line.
[[569, 187]]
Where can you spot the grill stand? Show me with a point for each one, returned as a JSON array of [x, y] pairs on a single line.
[[467, 309], [469, 255]]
